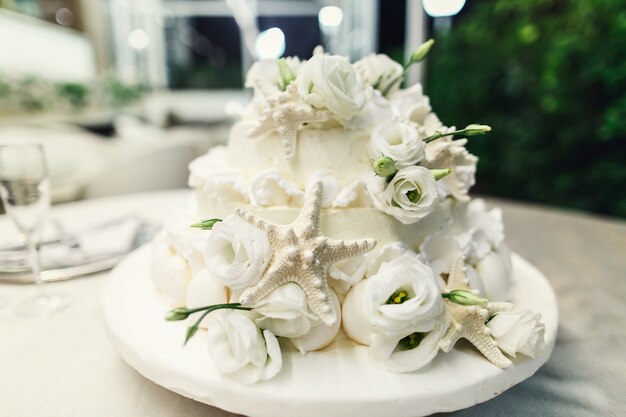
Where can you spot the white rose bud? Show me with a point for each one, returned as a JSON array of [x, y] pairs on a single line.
[[236, 253], [410, 195], [330, 82], [241, 350], [398, 141], [379, 71], [518, 332]]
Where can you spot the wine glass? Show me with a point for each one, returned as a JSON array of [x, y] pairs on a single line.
[[25, 193]]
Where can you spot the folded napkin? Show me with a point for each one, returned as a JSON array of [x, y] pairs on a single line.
[[65, 249]]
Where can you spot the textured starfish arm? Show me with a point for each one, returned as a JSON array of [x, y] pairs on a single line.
[[449, 339], [337, 250], [273, 278], [456, 279], [269, 227], [307, 223], [489, 348], [263, 126], [315, 286]]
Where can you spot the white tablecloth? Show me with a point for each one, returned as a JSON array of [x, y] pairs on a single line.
[[64, 366]]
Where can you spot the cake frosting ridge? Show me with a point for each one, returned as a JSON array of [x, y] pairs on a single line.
[[340, 204]]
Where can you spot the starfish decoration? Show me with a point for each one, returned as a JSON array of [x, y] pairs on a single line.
[[468, 322], [285, 113], [302, 255]]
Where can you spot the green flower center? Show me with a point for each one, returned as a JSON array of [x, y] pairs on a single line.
[[411, 341], [398, 297], [414, 196]]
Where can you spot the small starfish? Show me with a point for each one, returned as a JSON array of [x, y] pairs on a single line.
[[285, 113], [302, 255], [468, 322]]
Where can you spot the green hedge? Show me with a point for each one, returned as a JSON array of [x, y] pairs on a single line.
[[550, 77]]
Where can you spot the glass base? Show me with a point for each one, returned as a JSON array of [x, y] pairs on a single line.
[[41, 305]]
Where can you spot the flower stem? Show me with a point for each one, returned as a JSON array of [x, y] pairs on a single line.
[[182, 313], [470, 130]]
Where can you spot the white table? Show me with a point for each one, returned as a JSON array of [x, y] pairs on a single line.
[[64, 366]]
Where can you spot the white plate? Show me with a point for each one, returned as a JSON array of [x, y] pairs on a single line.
[[336, 382]]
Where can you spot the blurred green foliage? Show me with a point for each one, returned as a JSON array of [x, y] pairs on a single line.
[[550, 77]]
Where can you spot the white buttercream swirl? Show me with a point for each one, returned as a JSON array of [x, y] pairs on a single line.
[[269, 188]]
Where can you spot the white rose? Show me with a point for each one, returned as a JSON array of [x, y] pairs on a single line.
[[330, 82], [447, 153], [403, 297], [267, 71], [411, 194], [240, 350], [379, 71], [285, 312], [236, 253], [399, 141], [518, 331], [411, 352], [269, 188]]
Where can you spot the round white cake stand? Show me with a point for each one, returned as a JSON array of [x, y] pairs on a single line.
[[337, 381]]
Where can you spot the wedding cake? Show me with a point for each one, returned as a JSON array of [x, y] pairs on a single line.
[[339, 210]]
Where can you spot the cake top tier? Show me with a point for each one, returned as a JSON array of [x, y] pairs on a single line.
[[349, 124]]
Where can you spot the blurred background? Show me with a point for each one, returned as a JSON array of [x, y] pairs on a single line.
[[124, 93]]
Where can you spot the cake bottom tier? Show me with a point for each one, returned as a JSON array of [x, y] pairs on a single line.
[[336, 381]]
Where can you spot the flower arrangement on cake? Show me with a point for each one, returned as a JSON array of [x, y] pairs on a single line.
[[340, 205]]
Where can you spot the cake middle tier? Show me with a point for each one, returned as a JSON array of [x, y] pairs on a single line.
[[337, 152]]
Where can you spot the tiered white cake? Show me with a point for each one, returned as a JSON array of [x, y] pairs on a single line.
[[356, 220]]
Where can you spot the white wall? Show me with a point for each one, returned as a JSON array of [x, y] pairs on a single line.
[[31, 46]]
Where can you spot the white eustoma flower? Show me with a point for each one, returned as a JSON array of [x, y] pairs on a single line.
[[267, 70], [240, 350], [385, 254], [269, 188], [285, 312], [320, 335], [398, 141], [411, 104], [447, 153], [330, 82], [403, 297], [237, 253], [347, 273], [379, 71], [411, 352], [409, 196], [518, 332]]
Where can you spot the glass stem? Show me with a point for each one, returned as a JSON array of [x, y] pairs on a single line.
[[35, 262]]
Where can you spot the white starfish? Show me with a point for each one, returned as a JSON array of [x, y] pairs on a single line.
[[285, 113], [302, 255], [468, 322]]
